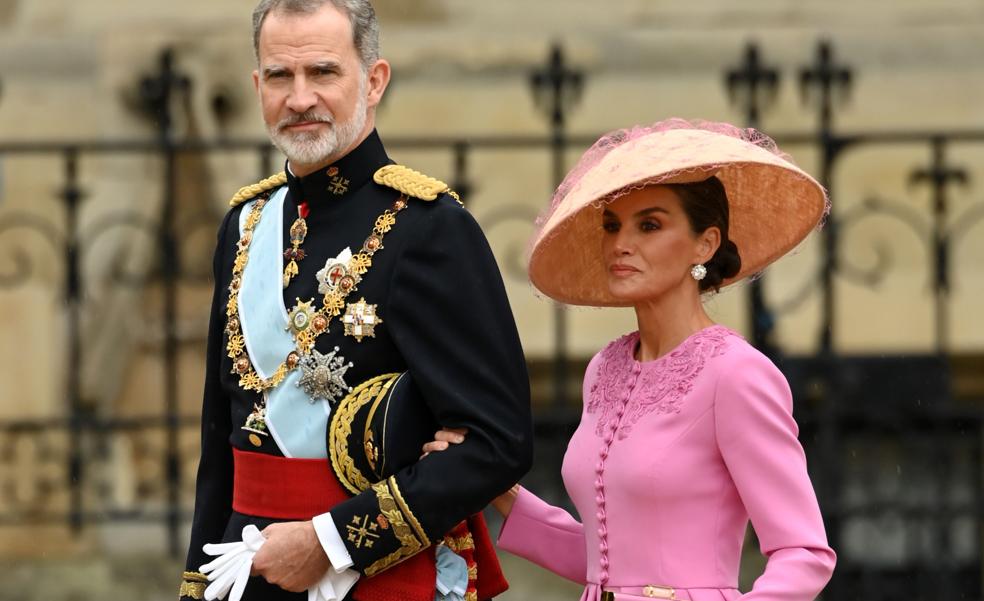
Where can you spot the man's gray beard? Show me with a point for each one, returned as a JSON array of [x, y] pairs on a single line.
[[312, 148]]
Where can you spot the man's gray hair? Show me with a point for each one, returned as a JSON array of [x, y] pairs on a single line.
[[365, 27]]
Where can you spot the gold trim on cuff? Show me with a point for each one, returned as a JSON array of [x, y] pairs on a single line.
[[193, 585], [406, 511], [409, 544]]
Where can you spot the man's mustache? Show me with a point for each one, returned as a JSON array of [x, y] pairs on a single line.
[[308, 117]]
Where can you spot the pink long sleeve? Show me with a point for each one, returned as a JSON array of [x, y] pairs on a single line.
[[546, 535], [757, 437]]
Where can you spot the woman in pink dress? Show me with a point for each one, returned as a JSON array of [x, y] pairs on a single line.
[[687, 430]]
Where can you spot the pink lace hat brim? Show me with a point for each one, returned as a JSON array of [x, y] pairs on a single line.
[[773, 203]]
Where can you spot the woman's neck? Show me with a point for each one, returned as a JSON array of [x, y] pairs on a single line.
[[668, 320]]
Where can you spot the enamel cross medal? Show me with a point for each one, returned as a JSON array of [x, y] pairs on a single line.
[[360, 320], [334, 271]]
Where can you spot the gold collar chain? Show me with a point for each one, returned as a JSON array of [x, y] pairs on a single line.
[[332, 306]]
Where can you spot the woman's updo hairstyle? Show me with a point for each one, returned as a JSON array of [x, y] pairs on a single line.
[[706, 205]]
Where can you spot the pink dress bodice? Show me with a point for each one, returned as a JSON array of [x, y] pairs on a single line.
[[671, 459]]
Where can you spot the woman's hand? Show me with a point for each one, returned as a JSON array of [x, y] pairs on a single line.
[[504, 502], [443, 439]]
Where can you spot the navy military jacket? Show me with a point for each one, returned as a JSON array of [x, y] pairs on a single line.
[[445, 319]]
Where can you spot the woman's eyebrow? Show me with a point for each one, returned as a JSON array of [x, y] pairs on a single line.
[[650, 210]]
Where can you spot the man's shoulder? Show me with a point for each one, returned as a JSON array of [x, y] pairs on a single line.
[[416, 185], [264, 186], [434, 206]]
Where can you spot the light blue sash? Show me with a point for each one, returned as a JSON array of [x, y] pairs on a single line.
[[297, 425]]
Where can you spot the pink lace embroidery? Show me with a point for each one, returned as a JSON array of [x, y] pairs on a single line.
[[662, 384]]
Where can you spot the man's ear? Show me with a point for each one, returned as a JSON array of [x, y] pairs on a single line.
[[378, 77]]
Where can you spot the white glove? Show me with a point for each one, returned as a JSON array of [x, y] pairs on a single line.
[[230, 571]]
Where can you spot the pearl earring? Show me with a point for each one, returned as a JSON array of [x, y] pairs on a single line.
[[698, 272]]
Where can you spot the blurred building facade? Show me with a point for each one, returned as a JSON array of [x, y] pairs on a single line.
[[124, 128]]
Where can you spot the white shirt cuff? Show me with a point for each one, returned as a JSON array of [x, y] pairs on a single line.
[[331, 542]]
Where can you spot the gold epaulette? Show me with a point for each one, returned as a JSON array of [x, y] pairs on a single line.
[[247, 192], [412, 183]]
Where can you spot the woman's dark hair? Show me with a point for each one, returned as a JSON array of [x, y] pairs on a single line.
[[706, 205]]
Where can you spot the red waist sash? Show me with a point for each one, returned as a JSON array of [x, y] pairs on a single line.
[[299, 489], [281, 488]]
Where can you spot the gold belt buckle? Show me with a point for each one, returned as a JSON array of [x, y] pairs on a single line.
[[650, 591], [659, 592]]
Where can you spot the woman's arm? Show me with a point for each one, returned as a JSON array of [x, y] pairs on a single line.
[[534, 530], [546, 535], [757, 437]]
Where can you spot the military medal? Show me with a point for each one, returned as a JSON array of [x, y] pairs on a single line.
[[324, 376], [360, 320], [333, 272], [301, 316], [256, 423], [298, 231]]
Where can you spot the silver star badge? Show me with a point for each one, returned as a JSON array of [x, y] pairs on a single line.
[[323, 376]]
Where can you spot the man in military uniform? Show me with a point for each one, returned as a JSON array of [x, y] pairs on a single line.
[[334, 280]]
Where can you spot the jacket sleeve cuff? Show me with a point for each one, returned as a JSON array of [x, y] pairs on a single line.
[[193, 585], [331, 542]]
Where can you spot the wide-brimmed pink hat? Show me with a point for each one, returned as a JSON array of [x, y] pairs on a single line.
[[773, 204]]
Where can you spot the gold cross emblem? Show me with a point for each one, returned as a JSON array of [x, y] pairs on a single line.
[[362, 531], [339, 185], [361, 320]]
